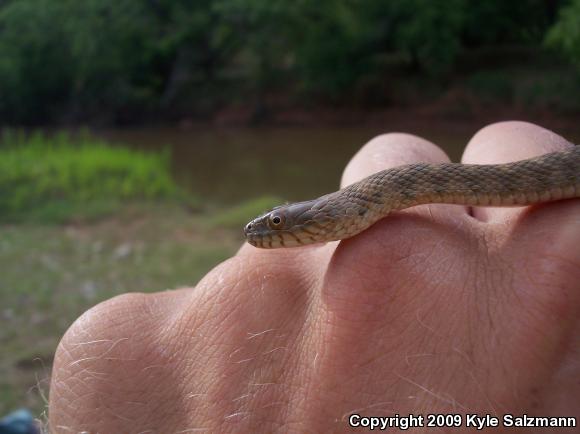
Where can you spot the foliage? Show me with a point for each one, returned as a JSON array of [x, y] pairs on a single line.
[[123, 60], [565, 35], [431, 37], [58, 177], [505, 23], [65, 59], [35, 77]]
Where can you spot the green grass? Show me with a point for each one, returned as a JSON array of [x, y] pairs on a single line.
[[61, 177]]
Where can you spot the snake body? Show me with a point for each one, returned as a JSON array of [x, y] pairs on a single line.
[[347, 212]]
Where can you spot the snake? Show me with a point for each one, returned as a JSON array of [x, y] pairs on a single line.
[[349, 211]]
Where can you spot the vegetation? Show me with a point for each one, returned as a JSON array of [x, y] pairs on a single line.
[[125, 60], [565, 34], [62, 177]]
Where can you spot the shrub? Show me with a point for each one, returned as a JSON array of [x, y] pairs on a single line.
[[62, 176]]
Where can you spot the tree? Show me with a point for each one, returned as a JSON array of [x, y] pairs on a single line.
[[564, 36]]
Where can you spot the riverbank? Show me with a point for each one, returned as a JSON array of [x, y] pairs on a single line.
[[487, 86], [546, 96], [83, 220], [450, 114]]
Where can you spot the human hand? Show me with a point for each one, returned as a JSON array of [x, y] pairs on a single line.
[[431, 310]]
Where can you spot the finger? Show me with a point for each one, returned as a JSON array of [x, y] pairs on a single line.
[[505, 142], [396, 149]]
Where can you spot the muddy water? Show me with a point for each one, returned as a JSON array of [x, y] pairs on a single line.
[[228, 166]]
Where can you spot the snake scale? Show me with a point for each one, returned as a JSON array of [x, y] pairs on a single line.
[[347, 212]]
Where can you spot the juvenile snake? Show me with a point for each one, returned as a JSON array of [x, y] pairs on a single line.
[[347, 212]]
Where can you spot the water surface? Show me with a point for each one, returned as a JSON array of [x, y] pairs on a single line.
[[225, 166]]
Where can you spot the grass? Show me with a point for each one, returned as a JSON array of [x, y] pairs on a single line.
[[62, 177], [52, 273]]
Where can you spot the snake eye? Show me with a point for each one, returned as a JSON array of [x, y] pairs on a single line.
[[276, 221]]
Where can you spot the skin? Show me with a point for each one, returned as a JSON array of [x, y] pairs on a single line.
[[436, 309]]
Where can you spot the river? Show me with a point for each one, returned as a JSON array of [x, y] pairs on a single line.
[[226, 166]]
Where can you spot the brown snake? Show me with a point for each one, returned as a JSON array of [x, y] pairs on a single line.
[[347, 212]]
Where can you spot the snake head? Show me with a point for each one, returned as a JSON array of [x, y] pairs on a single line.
[[287, 226]]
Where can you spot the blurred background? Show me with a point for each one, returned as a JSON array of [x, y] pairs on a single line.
[[138, 136]]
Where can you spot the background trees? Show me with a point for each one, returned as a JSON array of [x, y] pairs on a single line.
[[109, 61]]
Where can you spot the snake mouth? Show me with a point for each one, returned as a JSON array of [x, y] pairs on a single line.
[[255, 241], [258, 234], [263, 238], [274, 241]]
